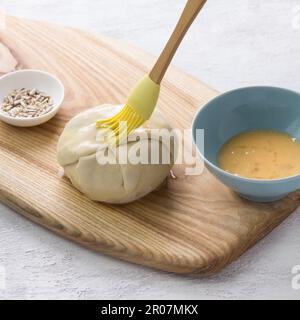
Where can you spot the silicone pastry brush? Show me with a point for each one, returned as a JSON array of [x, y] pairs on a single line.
[[143, 97]]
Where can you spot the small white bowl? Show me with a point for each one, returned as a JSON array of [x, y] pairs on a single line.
[[31, 79]]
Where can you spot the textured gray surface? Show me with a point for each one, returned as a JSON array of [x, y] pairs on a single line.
[[234, 43]]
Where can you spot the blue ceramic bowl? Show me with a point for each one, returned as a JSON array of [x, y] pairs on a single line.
[[252, 108]]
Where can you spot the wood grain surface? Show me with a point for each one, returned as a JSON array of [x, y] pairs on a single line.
[[191, 225]]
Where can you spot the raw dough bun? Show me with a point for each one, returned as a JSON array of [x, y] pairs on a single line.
[[112, 183]]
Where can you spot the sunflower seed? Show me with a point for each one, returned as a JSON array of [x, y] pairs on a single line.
[[26, 103]]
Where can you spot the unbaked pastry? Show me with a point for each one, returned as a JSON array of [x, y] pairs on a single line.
[[79, 149]]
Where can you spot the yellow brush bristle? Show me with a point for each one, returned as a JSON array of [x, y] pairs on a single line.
[[130, 121]]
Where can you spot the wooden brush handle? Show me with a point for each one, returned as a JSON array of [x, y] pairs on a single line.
[[189, 14]]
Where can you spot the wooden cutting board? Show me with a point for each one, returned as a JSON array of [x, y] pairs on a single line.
[[191, 225]]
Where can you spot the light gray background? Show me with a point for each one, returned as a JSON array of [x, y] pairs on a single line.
[[233, 43]]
